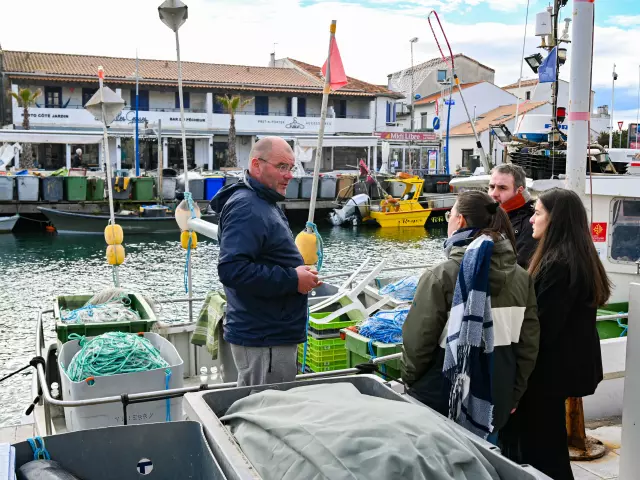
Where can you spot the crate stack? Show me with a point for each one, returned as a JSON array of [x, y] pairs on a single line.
[[361, 349], [325, 349]]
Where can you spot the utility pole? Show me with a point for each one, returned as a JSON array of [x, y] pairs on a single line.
[[411, 42], [614, 77]]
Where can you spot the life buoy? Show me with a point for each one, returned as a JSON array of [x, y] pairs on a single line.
[[404, 175]]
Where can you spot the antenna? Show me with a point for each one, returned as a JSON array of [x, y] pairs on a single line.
[[274, 48]]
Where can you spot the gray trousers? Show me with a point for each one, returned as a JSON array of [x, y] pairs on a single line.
[[265, 365]]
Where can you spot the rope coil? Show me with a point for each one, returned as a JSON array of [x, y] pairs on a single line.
[[116, 309], [113, 353]]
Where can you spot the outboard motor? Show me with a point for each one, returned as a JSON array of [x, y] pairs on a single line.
[[358, 205]]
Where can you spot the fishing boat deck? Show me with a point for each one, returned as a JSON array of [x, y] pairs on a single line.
[[609, 432]]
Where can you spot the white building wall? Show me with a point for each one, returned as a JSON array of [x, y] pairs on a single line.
[[243, 148], [198, 101], [482, 98], [277, 105], [161, 100], [541, 92]]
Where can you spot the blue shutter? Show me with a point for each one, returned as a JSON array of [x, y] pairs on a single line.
[[289, 107], [143, 100], [388, 112], [394, 113], [262, 105], [302, 107], [186, 98]]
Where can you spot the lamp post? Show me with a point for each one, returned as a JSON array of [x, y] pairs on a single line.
[[173, 14], [614, 77], [411, 42]]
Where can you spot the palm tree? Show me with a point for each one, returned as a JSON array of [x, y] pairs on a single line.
[[26, 99], [231, 103]]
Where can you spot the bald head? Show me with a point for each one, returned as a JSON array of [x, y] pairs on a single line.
[[265, 160]]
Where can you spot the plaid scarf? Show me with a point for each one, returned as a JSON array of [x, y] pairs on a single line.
[[468, 362]]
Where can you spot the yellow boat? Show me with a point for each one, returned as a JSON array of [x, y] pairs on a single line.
[[405, 211]]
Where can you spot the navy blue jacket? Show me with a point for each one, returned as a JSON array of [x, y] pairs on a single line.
[[258, 257]]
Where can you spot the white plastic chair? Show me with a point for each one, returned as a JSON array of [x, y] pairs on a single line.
[[348, 299]]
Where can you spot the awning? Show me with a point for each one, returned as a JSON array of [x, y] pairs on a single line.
[[35, 136], [338, 141]]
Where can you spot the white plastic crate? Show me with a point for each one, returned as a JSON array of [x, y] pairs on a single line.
[[111, 414]]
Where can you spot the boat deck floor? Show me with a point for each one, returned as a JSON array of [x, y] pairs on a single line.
[[607, 431]]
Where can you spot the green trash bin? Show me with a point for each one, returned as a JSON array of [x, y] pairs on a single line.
[[95, 189], [143, 188], [75, 189]]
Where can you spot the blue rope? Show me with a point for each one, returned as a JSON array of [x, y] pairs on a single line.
[[319, 243], [623, 326], [166, 387], [39, 452], [385, 326], [189, 198], [403, 290]]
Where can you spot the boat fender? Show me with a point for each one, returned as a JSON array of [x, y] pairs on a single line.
[[113, 234], [44, 470], [307, 245], [184, 239], [115, 254]]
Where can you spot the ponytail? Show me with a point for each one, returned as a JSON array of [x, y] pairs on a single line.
[[481, 211]]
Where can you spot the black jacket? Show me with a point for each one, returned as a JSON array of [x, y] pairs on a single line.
[[525, 243], [569, 360], [256, 265]]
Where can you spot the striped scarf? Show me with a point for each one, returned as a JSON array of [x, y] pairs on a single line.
[[468, 361]]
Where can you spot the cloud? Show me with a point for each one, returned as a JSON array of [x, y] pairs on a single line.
[[625, 20]]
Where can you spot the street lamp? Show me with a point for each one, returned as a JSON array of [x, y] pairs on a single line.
[[412, 41], [534, 61], [173, 14]]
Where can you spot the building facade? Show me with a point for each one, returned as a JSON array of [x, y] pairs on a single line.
[[283, 101]]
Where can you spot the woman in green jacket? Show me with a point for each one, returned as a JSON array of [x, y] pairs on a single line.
[[470, 340]]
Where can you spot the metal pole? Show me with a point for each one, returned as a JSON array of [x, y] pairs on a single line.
[[160, 162], [483, 156], [105, 145], [323, 118], [629, 458], [613, 89], [412, 119], [524, 41], [137, 134], [579, 95]]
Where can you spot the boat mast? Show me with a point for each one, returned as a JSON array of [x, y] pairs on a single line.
[[580, 95]]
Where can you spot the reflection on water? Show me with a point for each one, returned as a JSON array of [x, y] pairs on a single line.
[[38, 267]]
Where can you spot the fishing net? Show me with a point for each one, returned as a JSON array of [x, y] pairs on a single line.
[[402, 290], [113, 353], [110, 305], [385, 326]]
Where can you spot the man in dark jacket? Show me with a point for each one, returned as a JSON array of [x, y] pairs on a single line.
[[264, 277], [508, 187]]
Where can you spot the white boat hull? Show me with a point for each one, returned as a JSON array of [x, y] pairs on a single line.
[[7, 223]]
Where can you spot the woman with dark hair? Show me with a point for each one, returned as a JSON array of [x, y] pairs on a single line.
[[570, 284], [470, 339]]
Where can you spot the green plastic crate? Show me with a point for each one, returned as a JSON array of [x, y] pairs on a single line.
[[358, 344], [71, 302], [354, 359], [322, 368], [75, 189], [143, 188], [324, 357], [343, 323], [325, 344]]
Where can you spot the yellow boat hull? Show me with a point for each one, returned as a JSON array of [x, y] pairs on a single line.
[[413, 218]]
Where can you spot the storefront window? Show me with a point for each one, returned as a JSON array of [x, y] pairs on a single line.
[[624, 243]]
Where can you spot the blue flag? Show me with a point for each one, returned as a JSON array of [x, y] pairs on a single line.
[[547, 69]]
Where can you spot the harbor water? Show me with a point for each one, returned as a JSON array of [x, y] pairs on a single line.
[[37, 267]]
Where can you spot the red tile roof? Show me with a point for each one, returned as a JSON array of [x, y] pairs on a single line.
[[66, 67], [354, 83]]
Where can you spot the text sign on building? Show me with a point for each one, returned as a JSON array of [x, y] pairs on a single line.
[[599, 231], [407, 136]]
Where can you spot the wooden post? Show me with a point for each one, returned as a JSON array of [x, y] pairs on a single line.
[[580, 446]]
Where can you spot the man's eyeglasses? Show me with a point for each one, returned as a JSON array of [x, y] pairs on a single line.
[[283, 168]]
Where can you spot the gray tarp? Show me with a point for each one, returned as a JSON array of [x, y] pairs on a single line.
[[334, 432]]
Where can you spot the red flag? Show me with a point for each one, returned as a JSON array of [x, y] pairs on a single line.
[[337, 77]]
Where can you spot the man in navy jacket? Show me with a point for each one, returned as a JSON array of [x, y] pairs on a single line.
[[263, 273]]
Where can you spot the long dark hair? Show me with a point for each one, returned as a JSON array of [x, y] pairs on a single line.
[[481, 211], [567, 240]]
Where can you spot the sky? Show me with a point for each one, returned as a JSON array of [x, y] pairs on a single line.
[[373, 35]]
